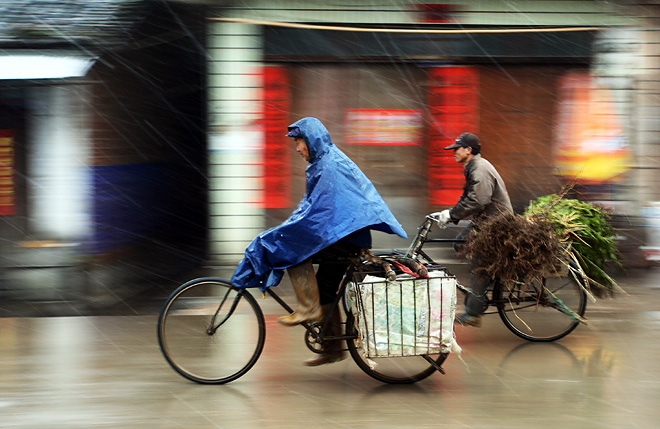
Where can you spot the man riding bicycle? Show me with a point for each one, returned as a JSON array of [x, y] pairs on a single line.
[[332, 221], [484, 194]]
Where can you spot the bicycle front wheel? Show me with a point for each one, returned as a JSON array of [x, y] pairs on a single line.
[[211, 332], [544, 311], [393, 370]]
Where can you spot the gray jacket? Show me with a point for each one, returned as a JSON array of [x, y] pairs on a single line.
[[484, 192]]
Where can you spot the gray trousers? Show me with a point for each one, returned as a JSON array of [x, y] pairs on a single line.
[[476, 301]]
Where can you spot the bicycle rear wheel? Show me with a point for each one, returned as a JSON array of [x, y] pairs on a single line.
[[211, 332], [530, 312], [393, 370]]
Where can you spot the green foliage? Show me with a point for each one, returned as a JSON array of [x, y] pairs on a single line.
[[584, 227]]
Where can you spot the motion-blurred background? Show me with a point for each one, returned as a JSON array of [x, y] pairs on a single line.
[[142, 141]]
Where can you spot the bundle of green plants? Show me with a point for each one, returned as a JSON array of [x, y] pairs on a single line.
[[585, 233]]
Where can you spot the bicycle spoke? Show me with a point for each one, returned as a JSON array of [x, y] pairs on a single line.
[[541, 311]]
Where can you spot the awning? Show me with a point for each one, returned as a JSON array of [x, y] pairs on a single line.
[[36, 66]]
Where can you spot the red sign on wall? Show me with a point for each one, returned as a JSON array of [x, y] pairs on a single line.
[[437, 12], [452, 101], [7, 206], [383, 126], [276, 160]]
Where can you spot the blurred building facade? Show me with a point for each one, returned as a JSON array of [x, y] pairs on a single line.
[[102, 148], [149, 134], [558, 91]]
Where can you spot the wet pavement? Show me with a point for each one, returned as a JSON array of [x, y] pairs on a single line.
[[107, 371]]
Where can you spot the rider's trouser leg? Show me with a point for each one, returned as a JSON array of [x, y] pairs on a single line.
[[476, 301], [332, 269], [329, 278], [304, 284], [333, 350]]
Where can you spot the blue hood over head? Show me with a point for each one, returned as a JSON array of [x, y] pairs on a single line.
[[338, 201]]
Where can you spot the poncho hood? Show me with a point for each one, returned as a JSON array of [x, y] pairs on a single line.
[[338, 201]]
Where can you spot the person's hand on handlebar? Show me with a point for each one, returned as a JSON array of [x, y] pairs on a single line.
[[442, 218]]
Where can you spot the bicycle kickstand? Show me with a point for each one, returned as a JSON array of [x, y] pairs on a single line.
[[434, 364]]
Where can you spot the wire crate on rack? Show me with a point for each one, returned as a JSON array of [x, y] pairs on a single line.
[[406, 317]]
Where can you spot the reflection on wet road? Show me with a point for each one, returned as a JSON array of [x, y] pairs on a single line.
[[108, 371]]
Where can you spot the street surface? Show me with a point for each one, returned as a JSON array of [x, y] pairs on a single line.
[[107, 371]]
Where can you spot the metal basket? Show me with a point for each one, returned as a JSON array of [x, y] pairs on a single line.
[[406, 317]]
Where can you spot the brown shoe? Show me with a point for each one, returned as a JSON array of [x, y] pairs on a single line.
[[298, 317], [325, 358]]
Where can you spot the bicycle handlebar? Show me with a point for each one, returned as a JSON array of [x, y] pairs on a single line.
[[422, 237]]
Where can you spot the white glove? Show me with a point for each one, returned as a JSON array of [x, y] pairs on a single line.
[[441, 217]]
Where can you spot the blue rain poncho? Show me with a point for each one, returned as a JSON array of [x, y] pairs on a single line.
[[338, 201]]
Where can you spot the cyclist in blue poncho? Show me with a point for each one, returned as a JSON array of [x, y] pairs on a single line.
[[334, 219]]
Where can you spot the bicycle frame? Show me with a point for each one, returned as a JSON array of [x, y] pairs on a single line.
[[415, 249], [213, 327], [318, 335], [174, 330]]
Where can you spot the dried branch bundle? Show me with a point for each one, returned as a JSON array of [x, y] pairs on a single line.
[[516, 248]]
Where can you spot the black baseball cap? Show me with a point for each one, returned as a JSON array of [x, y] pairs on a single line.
[[466, 140]]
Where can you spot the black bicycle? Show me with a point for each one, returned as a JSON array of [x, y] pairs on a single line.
[[211, 332], [540, 310]]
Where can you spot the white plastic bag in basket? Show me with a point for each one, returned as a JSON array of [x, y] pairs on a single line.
[[406, 317]]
